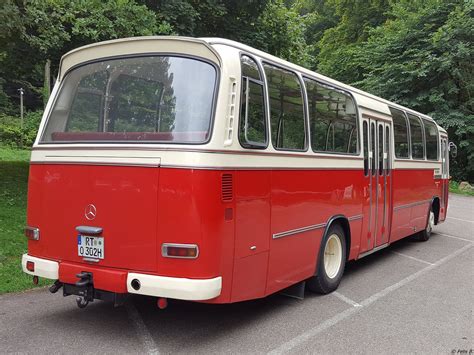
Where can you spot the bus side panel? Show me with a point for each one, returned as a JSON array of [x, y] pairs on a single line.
[[192, 212], [252, 234], [307, 198], [413, 190]]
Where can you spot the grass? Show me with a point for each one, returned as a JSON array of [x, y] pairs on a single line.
[[454, 188], [13, 189]]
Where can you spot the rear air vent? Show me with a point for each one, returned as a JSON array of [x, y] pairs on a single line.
[[227, 187]]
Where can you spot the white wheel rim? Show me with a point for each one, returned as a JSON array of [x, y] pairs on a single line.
[[332, 256], [430, 222]]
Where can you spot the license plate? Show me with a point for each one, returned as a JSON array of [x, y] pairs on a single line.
[[90, 247]]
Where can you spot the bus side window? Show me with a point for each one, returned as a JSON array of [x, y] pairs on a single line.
[[332, 116], [366, 148], [286, 109], [380, 147], [431, 137], [387, 148], [373, 139], [417, 144], [400, 132], [252, 126]]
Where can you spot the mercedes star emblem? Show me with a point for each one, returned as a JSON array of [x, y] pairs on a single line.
[[90, 212]]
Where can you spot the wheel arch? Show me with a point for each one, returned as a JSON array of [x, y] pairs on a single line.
[[343, 221]]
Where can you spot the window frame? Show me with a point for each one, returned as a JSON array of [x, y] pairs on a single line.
[[408, 133], [408, 114], [265, 103], [305, 113], [213, 112], [358, 145], [438, 139]]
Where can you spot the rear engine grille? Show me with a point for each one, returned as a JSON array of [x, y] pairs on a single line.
[[227, 188]]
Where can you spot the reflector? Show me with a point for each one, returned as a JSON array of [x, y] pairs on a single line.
[[30, 266]]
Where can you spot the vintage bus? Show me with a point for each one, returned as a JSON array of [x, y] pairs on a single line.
[[206, 170]]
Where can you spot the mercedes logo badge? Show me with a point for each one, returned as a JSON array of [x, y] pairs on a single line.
[[90, 212]]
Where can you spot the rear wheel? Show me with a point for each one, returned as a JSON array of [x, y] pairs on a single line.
[[331, 262], [425, 234]]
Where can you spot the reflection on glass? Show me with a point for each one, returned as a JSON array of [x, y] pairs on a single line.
[[135, 99]]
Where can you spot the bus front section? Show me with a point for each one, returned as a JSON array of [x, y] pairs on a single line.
[[111, 208]]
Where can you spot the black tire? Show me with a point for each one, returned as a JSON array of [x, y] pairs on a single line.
[[425, 234], [325, 282]]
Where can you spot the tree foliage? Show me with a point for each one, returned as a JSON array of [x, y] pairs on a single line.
[[414, 52]]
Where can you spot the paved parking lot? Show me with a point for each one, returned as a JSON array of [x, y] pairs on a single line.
[[410, 297]]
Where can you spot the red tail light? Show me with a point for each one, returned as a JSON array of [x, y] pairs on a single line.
[[30, 266], [185, 251], [32, 233]]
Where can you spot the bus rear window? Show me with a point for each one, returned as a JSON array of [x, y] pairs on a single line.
[[141, 99]]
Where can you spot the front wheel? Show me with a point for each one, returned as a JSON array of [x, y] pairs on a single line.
[[331, 262]]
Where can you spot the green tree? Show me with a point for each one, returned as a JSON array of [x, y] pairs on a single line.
[[38, 30], [422, 58]]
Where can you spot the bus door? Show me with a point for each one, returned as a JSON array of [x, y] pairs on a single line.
[[377, 170]]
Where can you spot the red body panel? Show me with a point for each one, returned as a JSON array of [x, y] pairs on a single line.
[[141, 208]]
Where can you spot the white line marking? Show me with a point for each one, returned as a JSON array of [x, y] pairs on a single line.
[[452, 236], [304, 337], [459, 219], [412, 257], [346, 299], [142, 331]]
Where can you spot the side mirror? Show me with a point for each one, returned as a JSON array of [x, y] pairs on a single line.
[[453, 149]]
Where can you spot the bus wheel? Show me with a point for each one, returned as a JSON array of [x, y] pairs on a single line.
[[331, 262], [425, 234]]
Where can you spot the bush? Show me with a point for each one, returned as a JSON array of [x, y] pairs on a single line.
[[11, 133]]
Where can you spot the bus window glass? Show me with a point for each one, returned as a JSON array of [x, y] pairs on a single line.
[[387, 148], [252, 127], [372, 143], [332, 117], [141, 99], [431, 136], [416, 131], [286, 109], [366, 148], [380, 147], [400, 132]]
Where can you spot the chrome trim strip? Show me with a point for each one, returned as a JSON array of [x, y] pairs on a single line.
[[57, 162], [89, 230], [164, 250], [310, 228], [170, 166], [396, 208], [299, 230], [380, 247]]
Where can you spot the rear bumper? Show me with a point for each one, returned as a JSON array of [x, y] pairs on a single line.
[[119, 280], [175, 287], [43, 268]]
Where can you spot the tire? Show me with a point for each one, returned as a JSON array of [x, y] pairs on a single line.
[[425, 234], [331, 262]]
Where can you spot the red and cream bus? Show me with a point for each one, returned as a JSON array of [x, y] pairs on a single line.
[[206, 170]]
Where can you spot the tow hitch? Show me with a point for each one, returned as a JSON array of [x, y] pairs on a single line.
[[85, 289], [86, 292]]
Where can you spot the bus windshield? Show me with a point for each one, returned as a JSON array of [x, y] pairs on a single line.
[[139, 99]]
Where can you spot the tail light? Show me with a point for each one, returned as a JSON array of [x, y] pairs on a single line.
[[184, 251], [32, 233], [30, 266]]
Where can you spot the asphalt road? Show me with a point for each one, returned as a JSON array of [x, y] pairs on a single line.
[[410, 297]]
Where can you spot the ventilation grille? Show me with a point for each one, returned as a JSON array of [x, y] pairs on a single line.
[[227, 188]]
